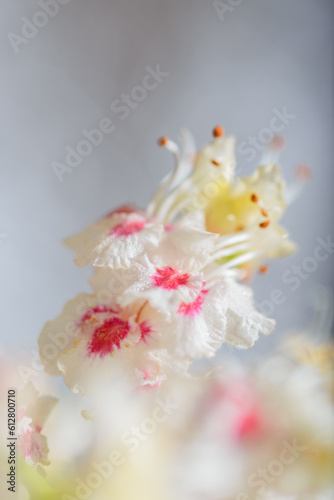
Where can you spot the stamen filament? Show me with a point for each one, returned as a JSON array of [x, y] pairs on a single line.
[[241, 259], [224, 241], [226, 252]]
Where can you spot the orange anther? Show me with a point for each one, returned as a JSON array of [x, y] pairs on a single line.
[[264, 224], [255, 198], [216, 163], [218, 131], [163, 141]]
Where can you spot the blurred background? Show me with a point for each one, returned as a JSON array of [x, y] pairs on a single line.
[[235, 63]]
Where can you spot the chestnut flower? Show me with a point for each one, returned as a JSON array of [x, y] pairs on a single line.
[[164, 282], [172, 308], [95, 340]]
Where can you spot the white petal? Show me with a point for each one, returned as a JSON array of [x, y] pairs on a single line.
[[201, 333], [118, 251], [164, 300], [58, 335], [244, 323]]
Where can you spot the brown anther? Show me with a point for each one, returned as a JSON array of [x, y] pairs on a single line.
[[163, 141], [255, 198], [264, 212], [218, 131], [264, 224], [263, 269], [216, 163]]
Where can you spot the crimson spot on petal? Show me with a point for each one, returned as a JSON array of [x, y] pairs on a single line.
[[169, 278], [145, 330], [127, 228], [108, 336], [195, 307], [95, 310]]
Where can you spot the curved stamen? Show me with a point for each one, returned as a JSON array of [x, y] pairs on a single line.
[[182, 169], [224, 241], [273, 150], [167, 180], [294, 190], [170, 208], [241, 259], [233, 263], [227, 252]]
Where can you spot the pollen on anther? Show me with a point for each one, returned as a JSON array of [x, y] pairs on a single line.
[[216, 163], [264, 224], [264, 212], [254, 198], [218, 131], [263, 269], [163, 141]]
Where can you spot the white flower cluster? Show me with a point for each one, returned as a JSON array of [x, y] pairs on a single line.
[[165, 283]]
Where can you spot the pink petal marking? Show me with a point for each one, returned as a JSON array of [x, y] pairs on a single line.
[[124, 209], [127, 228], [149, 387], [250, 423], [169, 278], [95, 310], [145, 329], [193, 308], [28, 444], [250, 420], [108, 336]]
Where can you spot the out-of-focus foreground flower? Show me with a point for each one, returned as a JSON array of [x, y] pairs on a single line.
[[243, 431]]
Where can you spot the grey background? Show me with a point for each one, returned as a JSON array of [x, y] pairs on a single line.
[[263, 55]]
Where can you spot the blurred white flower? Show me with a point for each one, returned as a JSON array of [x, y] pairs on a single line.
[[32, 414]]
